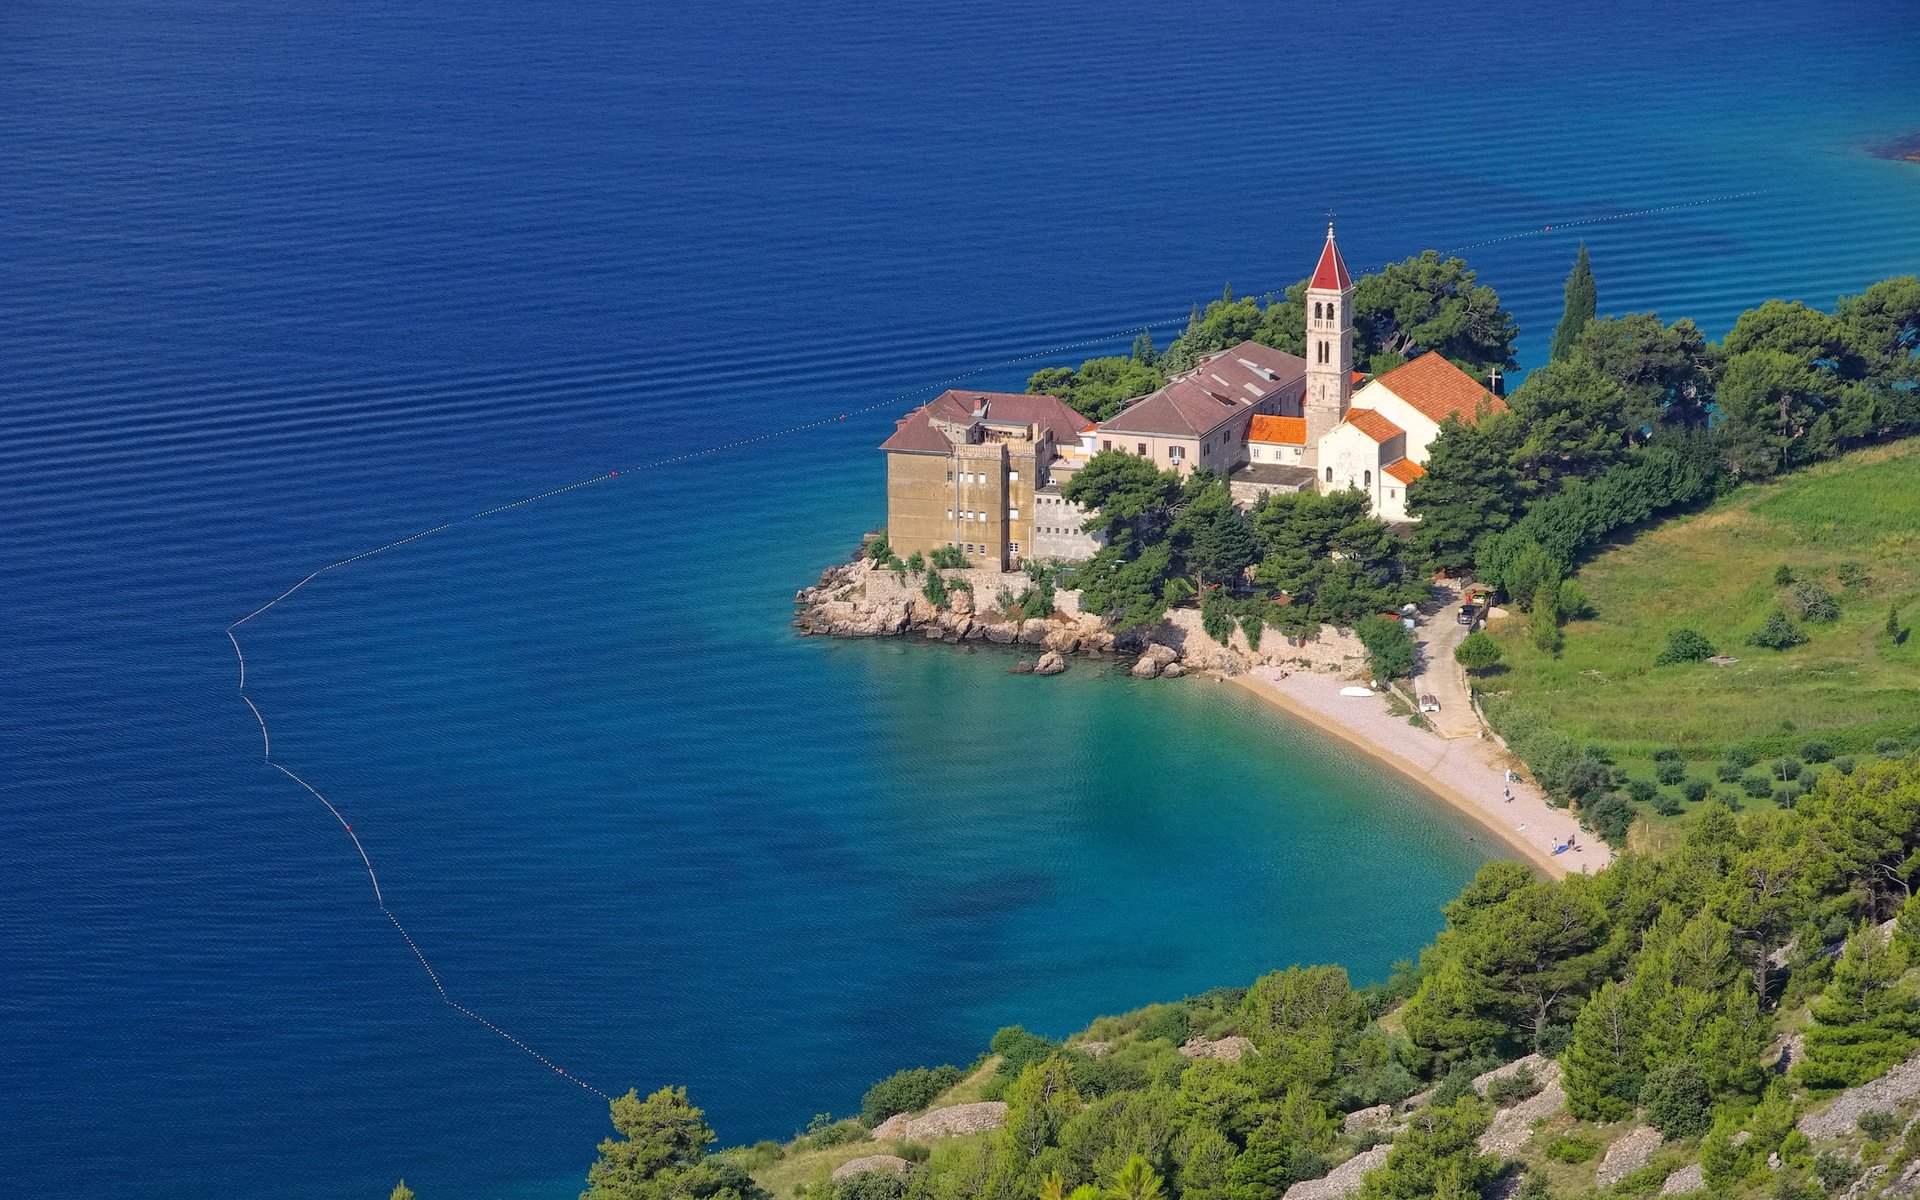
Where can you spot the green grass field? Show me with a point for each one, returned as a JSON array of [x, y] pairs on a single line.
[[1850, 686]]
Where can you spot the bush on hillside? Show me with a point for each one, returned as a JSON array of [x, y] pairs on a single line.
[[1888, 745], [1788, 769], [1684, 646], [1853, 574], [1666, 754], [1757, 786], [878, 549], [935, 589], [1783, 576], [906, 1091], [1878, 1124], [1509, 1089], [1742, 756], [1816, 752], [1728, 772], [1643, 790], [1778, 632], [1694, 789], [1019, 1049], [1667, 804], [1677, 1099], [1844, 764], [1670, 771], [1815, 603], [1573, 1148]]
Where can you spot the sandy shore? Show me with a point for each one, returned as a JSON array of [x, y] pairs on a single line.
[[1467, 772]]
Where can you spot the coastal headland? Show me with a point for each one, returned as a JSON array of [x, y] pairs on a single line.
[[1303, 677]]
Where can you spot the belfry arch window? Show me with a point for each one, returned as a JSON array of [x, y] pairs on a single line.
[[1316, 310]]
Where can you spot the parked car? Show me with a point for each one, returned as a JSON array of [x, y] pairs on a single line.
[[1469, 613]]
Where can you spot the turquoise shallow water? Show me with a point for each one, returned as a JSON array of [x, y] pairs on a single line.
[[284, 284]]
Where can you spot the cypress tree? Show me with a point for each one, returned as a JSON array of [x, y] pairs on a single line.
[[1582, 303]]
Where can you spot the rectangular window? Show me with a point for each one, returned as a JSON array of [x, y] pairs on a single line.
[[1106, 445], [1013, 514], [1015, 547], [1143, 448], [949, 514], [1013, 476]]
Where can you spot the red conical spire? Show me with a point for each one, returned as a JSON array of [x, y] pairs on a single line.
[[1332, 271]]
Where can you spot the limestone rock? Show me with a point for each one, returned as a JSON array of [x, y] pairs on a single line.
[[1153, 660], [951, 1121], [1512, 1126], [1900, 1084], [1172, 670], [1904, 1186], [1684, 1182], [891, 1164], [1633, 1151], [1095, 1049], [1003, 633], [1866, 1183], [1227, 1049], [1367, 1118], [1023, 667], [1343, 1180], [1033, 633], [1051, 663]]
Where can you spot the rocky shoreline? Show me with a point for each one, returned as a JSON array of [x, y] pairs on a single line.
[[862, 599]]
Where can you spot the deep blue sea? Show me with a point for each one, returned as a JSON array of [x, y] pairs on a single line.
[[283, 282]]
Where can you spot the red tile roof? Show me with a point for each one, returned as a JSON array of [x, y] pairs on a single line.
[[1405, 470], [1222, 387], [1288, 431], [1332, 269], [1371, 423], [916, 433], [1438, 389]]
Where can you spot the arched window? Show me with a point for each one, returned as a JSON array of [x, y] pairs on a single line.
[[1366, 477], [1329, 474], [1316, 310]]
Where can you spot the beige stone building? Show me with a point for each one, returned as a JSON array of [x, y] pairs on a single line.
[[964, 469]]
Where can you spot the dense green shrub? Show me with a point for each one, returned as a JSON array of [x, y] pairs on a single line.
[[935, 589], [1670, 771], [1508, 1089], [1609, 816], [1684, 646], [1788, 768], [1844, 764], [1728, 772], [1887, 745], [1694, 789], [1019, 1049], [878, 548], [1666, 804], [1643, 790], [1477, 652], [1666, 754], [1742, 756], [1757, 786], [1878, 1124], [1677, 1100], [906, 1091], [949, 557], [1778, 632], [1853, 574], [1816, 752], [1390, 648], [1833, 1171], [1783, 576], [1573, 1148], [1787, 795]]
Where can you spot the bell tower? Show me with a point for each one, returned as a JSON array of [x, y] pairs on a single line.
[[1329, 349]]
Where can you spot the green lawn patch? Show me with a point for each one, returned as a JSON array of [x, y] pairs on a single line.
[[1849, 528]]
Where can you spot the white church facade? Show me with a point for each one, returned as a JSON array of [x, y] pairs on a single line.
[[1375, 439]]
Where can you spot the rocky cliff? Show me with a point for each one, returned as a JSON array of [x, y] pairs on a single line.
[[863, 599]]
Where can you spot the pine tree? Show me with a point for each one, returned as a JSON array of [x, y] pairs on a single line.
[[1582, 304], [1605, 1062], [1865, 1021], [401, 1191]]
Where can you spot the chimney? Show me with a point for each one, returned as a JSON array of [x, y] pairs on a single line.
[[1496, 383]]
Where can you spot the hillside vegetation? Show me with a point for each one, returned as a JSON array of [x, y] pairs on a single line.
[[1848, 530], [1587, 1036]]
